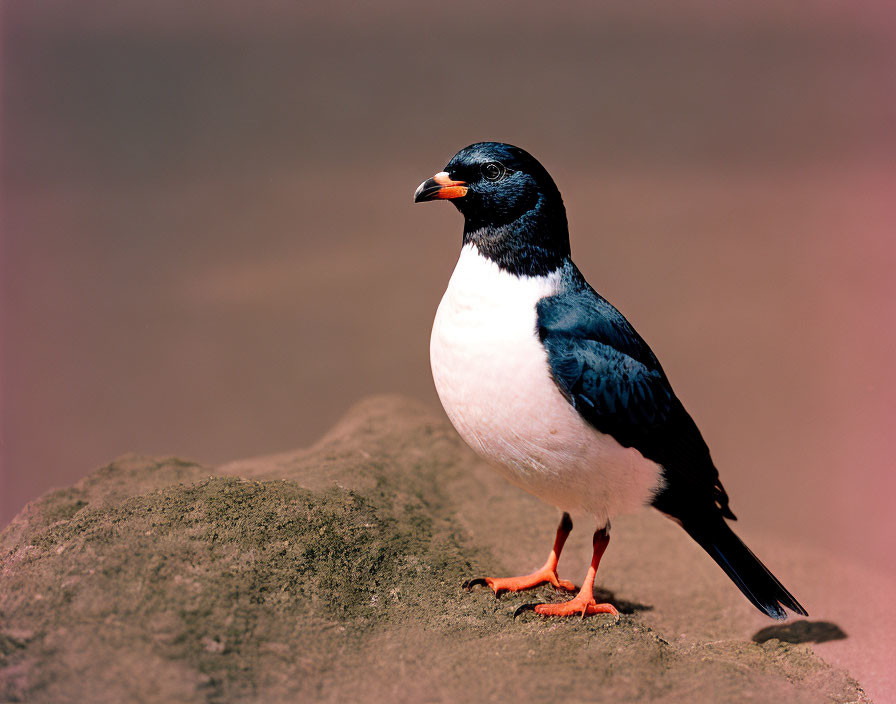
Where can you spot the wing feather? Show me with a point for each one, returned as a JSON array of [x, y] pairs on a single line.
[[613, 379]]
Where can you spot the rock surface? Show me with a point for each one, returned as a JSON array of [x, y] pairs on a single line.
[[334, 573]]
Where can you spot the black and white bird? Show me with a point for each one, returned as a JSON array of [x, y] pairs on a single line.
[[547, 381]]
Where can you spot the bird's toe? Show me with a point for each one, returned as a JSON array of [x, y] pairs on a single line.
[[565, 585]]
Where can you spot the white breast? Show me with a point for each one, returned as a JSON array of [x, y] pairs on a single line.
[[492, 376]]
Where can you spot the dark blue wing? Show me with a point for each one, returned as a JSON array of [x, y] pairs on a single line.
[[616, 393], [613, 379], [581, 312]]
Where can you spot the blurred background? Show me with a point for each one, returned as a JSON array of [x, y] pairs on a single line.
[[209, 247]]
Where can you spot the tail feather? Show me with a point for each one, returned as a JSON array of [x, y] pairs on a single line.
[[753, 578]]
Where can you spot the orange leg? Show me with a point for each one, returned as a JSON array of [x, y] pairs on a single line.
[[583, 604], [547, 574]]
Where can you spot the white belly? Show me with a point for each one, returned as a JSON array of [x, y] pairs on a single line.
[[492, 376]]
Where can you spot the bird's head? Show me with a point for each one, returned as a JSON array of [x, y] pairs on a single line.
[[512, 209]]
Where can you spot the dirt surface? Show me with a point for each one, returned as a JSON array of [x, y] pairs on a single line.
[[334, 573]]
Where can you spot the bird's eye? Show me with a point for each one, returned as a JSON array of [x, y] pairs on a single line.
[[493, 171]]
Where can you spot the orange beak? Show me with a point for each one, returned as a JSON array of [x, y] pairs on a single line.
[[440, 187]]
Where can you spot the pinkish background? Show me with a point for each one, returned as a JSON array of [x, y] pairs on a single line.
[[209, 247]]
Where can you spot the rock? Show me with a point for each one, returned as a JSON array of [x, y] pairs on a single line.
[[334, 573]]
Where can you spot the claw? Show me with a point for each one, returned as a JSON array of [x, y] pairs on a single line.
[[524, 608], [478, 581]]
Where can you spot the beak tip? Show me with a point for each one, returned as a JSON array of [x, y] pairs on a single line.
[[418, 194]]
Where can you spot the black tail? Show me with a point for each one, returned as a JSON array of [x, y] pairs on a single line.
[[759, 585]]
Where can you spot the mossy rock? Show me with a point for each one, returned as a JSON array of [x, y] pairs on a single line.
[[322, 575]]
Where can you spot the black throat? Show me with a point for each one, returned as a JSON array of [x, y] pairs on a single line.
[[533, 244]]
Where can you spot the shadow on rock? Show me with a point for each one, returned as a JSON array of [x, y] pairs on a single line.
[[624, 606], [801, 632], [601, 595]]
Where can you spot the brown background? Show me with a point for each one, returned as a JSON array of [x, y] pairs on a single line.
[[209, 247]]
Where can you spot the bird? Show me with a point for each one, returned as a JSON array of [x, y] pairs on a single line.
[[554, 388]]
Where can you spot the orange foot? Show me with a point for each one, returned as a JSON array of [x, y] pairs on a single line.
[[515, 584], [579, 606]]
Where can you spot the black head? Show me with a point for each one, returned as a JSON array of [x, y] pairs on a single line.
[[512, 210]]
